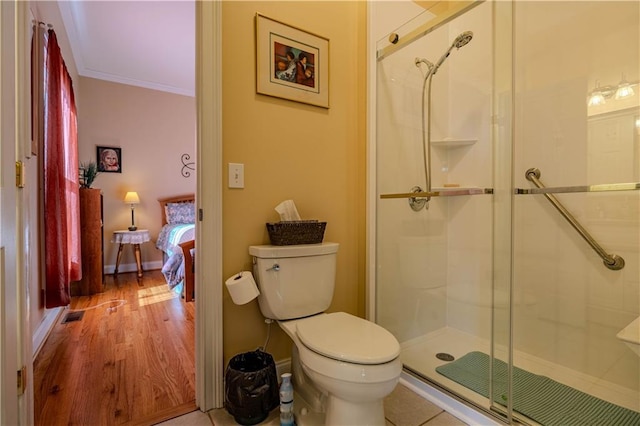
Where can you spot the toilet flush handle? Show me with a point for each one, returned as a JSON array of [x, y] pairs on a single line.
[[275, 267]]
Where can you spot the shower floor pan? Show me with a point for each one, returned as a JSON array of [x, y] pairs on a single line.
[[419, 354]]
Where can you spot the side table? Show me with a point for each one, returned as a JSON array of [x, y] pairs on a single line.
[[130, 237]]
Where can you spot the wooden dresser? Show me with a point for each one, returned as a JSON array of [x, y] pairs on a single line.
[[91, 239]]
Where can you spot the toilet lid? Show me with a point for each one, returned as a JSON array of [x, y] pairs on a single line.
[[348, 338]]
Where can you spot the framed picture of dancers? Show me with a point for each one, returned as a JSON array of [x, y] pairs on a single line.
[[291, 63]]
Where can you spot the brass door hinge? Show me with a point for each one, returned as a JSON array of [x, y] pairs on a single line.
[[20, 174], [22, 380]]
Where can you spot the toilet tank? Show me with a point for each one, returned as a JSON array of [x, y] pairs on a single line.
[[294, 281]]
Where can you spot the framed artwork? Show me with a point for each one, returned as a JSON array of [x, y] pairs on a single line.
[[291, 63], [109, 159]]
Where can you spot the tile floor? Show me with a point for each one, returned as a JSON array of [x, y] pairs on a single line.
[[402, 408], [196, 418]]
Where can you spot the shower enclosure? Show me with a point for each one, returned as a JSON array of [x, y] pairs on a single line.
[[522, 278]]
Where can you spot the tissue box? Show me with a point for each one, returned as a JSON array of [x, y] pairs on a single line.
[[296, 232]]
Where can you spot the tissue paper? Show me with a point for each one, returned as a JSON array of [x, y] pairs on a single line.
[[242, 288], [287, 211]]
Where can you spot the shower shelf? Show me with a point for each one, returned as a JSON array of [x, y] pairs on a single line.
[[607, 187], [453, 143], [441, 192]]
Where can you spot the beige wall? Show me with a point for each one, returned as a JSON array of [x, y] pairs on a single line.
[[290, 150], [153, 129]]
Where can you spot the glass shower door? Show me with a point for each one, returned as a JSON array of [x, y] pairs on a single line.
[[434, 264], [572, 221]]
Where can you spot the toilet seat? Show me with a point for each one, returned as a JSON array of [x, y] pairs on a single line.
[[348, 338]]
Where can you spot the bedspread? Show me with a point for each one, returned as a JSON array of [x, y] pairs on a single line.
[[169, 242]]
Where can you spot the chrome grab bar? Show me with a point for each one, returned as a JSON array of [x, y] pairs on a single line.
[[607, 187], [611, 261]]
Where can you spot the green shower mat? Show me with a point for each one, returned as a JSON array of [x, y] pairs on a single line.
[[538, 397]]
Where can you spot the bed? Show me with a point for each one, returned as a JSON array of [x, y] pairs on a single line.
[[177, 242]]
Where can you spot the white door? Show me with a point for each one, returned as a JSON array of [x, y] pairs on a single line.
[[8, 294], [13, 407]]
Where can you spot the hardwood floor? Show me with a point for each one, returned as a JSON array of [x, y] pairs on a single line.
[[129, 360]]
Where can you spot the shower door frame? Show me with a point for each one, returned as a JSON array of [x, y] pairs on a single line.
[[505, 193]]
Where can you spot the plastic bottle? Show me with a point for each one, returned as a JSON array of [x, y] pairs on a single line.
[[286, 401]]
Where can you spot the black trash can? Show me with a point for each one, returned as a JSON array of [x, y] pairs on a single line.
[[251, 387]]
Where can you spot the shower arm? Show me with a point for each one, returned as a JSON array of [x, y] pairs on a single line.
[[611, 261]]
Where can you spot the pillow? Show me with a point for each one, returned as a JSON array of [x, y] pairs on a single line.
[[180, 213]]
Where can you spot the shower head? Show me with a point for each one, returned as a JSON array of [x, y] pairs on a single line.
[[460, 41], [463, 39]]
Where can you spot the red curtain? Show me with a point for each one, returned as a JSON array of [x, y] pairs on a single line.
[[61, 187]]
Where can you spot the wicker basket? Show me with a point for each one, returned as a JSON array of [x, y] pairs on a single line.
[[296, 232]]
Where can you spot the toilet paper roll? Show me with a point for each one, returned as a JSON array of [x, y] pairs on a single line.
[[242, 288]]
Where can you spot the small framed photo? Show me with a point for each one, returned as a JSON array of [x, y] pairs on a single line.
[[109, 159], [291, 63]]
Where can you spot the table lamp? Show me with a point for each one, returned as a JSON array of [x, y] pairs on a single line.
[[132, 199]]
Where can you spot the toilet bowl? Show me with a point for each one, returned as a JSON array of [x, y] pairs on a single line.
[[343, 366], [354, 362]]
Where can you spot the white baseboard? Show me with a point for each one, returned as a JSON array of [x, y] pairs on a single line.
[[132, 267], [46, 325]]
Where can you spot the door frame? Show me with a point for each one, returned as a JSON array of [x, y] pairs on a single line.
[[15, 404], [209, 327], [209, 330]]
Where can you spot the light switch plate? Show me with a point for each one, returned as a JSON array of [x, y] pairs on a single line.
[[236, 175]]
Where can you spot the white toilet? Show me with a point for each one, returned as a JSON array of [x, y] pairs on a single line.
[[343, 366]]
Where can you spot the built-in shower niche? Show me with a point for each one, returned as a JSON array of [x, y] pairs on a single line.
[[448, 154], [452, 142]]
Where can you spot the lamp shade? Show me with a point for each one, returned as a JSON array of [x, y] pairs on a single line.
[[596, 98], [132, 198], [624, 90]]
